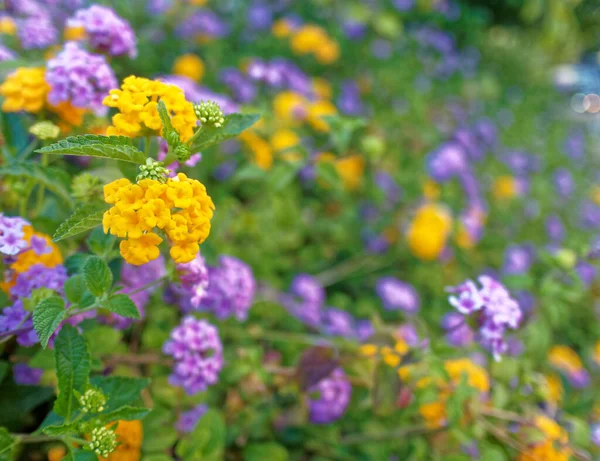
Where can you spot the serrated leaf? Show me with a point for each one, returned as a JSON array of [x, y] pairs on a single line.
[[44, 175], [75, 288], [75, 262], [61, 429], [122, 305], [83, 219], [126, 413], [168, 129], [234, 124], [120, 390], [91, 145], [72, 369], [97, 275], [47, 316], [99, 242]]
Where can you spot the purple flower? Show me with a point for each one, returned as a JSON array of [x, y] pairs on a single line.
[[486, 131], [107, 32], [25, 375], [555, 228], [260, 16], [15, 318], [308, 288], [329, 398], [349, 100], [203, 23], [447, 161], [587, 272], [241, 86], [575, 144], [37, 33], [521, 163], [403, 5], [469, 299], [353, 29], [579, 379], [398, 295], [589, 215], [79, 77], [458, 332], [595, 434], [188, 419], [198, 353], [518, 259], [305, 299], [11, 235], [470, 142], [563, 181], [6, 54], [231, 288], [194, 280], [39, 276], [336, 322]]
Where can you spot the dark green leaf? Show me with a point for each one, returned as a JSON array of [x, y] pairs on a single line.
[[90, 145], [126, 413], [75, 288], [85, 218], [43, 359], [233, 126], [47, 316], [97, 275], [120, 390], [6, 444], [121, 304], [99, 242], [3, 370], [168, 130], [207, 440], [265, 451], [72, 369]]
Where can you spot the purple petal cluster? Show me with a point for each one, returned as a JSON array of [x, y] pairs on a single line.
[[332, 398], [106, 31], [305, 299], [495, 309], [198, 353], [27, 376], [82, 78], [241, 86], [193, 286], [231, 288], [280, 73], [398, 295], [203, 23], [37, 33], [12, 239], [188, 419]]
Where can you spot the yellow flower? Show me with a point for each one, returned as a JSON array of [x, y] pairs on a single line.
[[434, 414], [263, 154], [565, 359], [74, 33], [281, 28], [308, 38], [180, 207], [69, 114], [290, 107], [596, 353], [25, 90], [554, 447], [328, 52], [189, 65], [369, 350], [476, 376], [7, 26], [553, 388], [137, 104], [428, 233], [284, 139], [57, 453], [505, 187], [431, 190], [351, 170], [29, 258], [130, 435], [316, 111], [322, 88]]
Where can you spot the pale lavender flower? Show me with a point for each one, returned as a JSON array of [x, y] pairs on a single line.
[[331, 398], [6, 54], [81, 78], [564, 183], [555, 228], [447, 161], [193, 286], [398, 295], [188, 419], [39, 276], [203, 23], [518, 259], [458, 332], [37, 33], [27, 376], [336, 322], [12, 235], [198, 353], [469, 299], [595, 434], [106, 31]]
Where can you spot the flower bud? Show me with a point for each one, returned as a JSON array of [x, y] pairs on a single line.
[[153, 170], [104, 441], [209, 113], [182, 152], [85, 186], [44, 130], [92, 401], [566, 258]]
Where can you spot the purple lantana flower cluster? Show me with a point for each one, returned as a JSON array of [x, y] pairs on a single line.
[[331, 398], [106, 31], [188, 419], [398, 295], [496, 311], [79, 77], [12, 239], [193, 278], [198, 354]]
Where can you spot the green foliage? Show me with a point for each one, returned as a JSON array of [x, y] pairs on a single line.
[[90, 145], [47, 317], [234, 124], [168, 132], [97, 275], [263, 451], [206, 441], [123, 305], [6, 445], [121, 391], [72, 369], [82, 220], [75, 288]]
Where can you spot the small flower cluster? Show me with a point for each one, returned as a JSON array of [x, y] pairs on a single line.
[[230, 290], [429, 231], [197, 350], [312, 39], [37, 32], [193, 278], [495, 308], [398, 295], [106, 31], [332, 398], [25, 89], [92, 401], [79, 77], [280, 73], [188, 419], [567, 361], [137, 102], [180, 207], [554, 445], [209, 113], [104, 441]]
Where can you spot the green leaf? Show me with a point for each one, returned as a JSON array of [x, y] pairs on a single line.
[[233, 126], [91, 145], [97, 275], [36, 297], [72, 369], [120, 390], [282, 174], [265, 451], [342, 129], [168, 129], [126, 413], [82, 455], [43, 359], [85, 218], [43, 175], [327, 173], [75, 288], [249, 172], [103, 340], [6, 444], [207, 440], [3, 370], [492, 453], [100, 243], [75, 262], [121, 304], [47, 316]]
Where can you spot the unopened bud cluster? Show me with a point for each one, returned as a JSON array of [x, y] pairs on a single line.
[[85, 186], [92, 401], [104, 441], [45, 130], [209, 113], [153, 170]]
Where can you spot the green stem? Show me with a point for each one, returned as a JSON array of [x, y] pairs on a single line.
[[195, 136], [41, 189], [25, 199], [147, 144]]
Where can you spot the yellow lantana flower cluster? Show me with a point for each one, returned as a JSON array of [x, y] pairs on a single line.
[[25, 90], [429, 231], [312, 39], [137, 101], [294, 108], [181, 208], [554, 447]]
